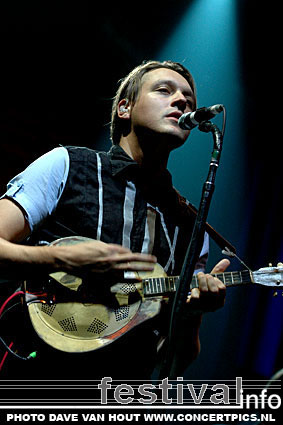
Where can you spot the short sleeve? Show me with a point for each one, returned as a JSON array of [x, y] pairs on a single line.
[[39, 187]]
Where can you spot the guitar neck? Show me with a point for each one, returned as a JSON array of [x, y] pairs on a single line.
[[166, 285]]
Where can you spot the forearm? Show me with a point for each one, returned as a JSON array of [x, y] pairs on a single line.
[[87, 257], [20, 261]]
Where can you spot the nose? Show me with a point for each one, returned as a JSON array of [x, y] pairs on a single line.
[[179, 100]]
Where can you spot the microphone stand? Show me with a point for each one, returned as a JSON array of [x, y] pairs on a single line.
[[169, 367]]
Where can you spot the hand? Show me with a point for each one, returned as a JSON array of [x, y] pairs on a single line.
[[99, 257], [210, 295]]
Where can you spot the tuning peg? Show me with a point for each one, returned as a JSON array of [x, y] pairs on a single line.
[[279, 264], [275, 294], [269, 264]]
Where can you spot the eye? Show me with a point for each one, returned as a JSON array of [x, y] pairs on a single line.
[[163, 89]]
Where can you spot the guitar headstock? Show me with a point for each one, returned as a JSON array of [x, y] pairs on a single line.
[[269, 276]]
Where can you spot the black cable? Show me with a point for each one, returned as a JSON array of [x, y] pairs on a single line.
[[30, 356], [10, 308]]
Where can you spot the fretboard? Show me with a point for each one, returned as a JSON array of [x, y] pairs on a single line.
[[166, 285]]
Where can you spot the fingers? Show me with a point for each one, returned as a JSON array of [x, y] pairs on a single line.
[[117, 257], [221, 266], [115, 248], [210, 294], [99, 257], [121, 255], [208, 287], [208, 283], [135, 266], [134, 262]]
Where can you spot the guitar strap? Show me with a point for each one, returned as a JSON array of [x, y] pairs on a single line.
[[219, 239]]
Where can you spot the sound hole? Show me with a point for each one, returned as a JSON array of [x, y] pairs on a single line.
[[97, 326], [48, 309], [68, 324], [122, 313]]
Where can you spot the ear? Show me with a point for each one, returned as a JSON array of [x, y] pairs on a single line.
[[124, 109]]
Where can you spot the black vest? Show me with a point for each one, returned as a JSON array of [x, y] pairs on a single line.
[[94, 196]]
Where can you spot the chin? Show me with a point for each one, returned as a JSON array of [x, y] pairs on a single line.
[[176, 140]]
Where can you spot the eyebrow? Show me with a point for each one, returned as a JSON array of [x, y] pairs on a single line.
[[186, 92]]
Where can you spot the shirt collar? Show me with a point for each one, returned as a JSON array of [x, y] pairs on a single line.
[[120, 161]]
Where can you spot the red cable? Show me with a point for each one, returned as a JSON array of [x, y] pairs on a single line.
[[1, 311], [5, 355], [9, 299]]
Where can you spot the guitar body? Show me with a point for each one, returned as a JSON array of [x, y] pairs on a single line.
[[85, 326], [74, 317]]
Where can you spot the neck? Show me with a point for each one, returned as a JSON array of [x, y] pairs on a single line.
[[148, 155], [132, 148]]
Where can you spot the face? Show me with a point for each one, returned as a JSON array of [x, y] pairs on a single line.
[[163, 97]]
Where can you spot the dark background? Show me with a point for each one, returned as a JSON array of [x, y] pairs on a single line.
[[60, 63]]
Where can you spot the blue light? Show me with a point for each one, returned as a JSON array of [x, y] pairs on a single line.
[[206, 42]]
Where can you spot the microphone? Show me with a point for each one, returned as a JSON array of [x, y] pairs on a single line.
[[191, 119]]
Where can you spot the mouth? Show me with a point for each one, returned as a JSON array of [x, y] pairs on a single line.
[[174, 116]]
